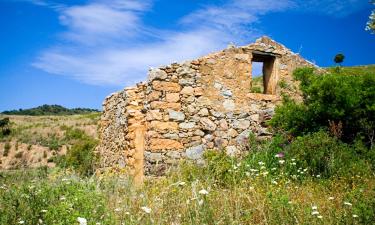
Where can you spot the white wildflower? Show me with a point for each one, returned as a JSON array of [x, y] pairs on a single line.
[[314, 207], [146, 209], [293, 160], [21, 222], [293, 163], [320, 217], [355, 216], [82, 221], [117, 209], [318, 176], [281, 161], [315, 213], [247, 174], [181, 183], [274, 182], [261, 163], [200, 202], [331, 198], [203, 192], [62, 198], [348, 203], [43, 211]]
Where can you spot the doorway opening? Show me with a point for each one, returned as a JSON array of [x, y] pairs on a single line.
[[263, 75]]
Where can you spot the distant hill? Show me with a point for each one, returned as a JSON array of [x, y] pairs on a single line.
[[48, 110]]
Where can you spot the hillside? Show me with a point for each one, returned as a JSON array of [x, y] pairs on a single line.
[[34, 140], [49, 110]]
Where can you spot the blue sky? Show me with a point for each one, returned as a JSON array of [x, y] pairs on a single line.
[[75, 53]]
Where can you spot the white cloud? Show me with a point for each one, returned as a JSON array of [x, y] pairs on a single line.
[[107, 43], [101, 46]]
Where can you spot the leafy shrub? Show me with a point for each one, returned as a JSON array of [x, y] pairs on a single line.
[[326, 156], [5, 127], [330, 98], [80, 156]]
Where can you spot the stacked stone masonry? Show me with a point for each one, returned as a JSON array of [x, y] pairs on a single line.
[[202, 104]]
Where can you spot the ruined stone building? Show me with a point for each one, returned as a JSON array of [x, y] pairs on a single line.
[[184, 109]]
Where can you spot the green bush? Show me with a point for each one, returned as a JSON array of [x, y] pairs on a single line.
[[326, 156], [331, 99], [80, 156]]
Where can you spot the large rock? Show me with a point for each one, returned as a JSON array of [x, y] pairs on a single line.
[[172, 97], [163, 126], [207, 124], [187, 126], [177, 116], [165, 105], [195, 153], [157, 74], [164, 144], [166, 86]]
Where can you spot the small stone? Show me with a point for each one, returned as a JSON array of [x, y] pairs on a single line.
[[195, 153], [217, 114], [227, 93], [154, 115], [172, 136], [187, 126], [241, 124], [255, 117], [154, 157], [209, 137], [223, 124], [177, 116], [207, 124], [154, 96], [199, 133], [220, 142], [203, 112], [187, 91], [232, 132], [232, 151], [185, 82], [218, 85], [198, 91], [229, 105], [173, 154], [243, 138], [172, 97]]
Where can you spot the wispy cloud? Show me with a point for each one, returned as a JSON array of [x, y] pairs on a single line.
[[107, 43], [335, 8], [101, 44]]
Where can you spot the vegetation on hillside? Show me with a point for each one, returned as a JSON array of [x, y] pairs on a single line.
[[45, 110]]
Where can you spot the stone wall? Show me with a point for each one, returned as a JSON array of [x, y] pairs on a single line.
[[202, 104]]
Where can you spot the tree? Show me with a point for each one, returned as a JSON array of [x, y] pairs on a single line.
[[371, 23], [339, 58]]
